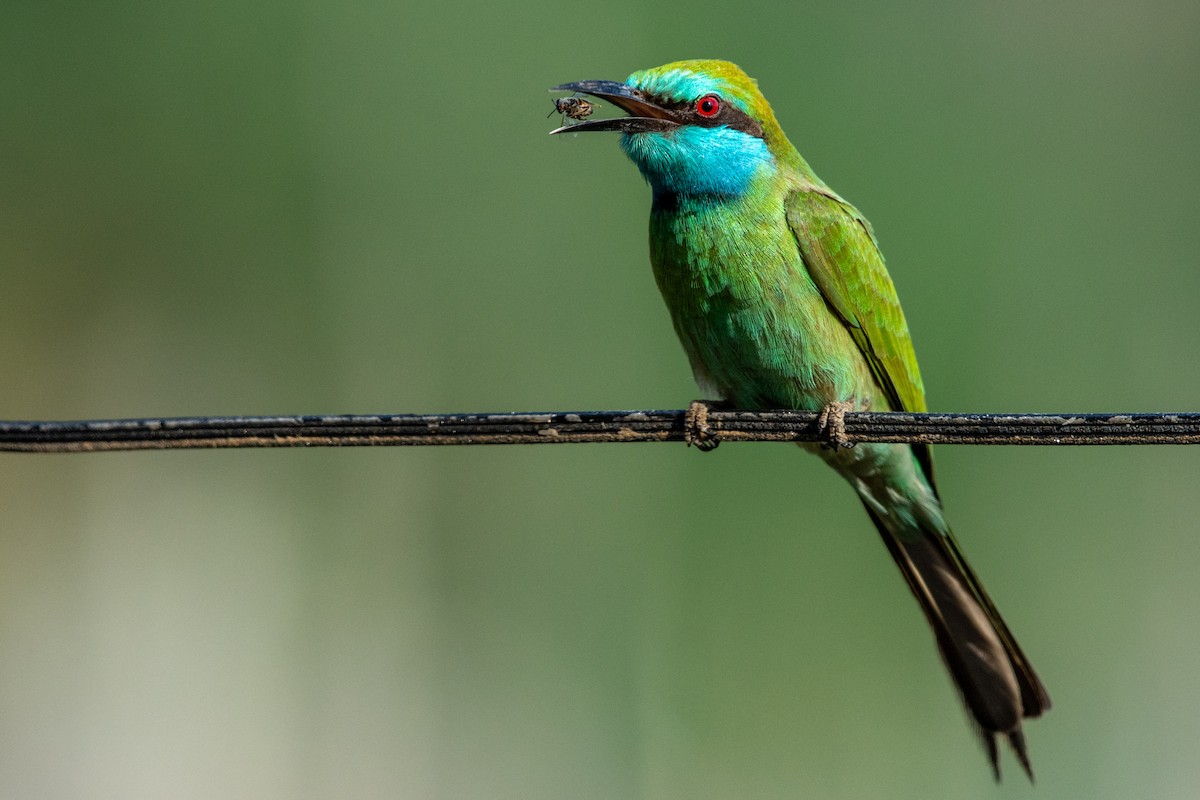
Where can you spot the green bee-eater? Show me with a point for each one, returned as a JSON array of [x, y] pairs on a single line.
[[779, 294]]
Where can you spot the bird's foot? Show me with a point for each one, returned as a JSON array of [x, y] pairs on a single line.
[[696, 431], [831, 424]]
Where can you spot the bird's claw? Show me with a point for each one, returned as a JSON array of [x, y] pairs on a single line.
[[696, 431], [832, 426]]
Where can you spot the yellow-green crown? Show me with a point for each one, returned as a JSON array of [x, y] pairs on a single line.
[[684, 81]]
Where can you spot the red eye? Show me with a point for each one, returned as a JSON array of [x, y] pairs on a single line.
[[708, 106]]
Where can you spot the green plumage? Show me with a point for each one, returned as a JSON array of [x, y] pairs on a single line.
[[780, 297]]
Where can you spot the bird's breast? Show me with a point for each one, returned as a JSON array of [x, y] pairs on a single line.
[[754, 325]]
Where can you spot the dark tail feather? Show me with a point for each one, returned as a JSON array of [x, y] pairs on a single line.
[[995, 680]]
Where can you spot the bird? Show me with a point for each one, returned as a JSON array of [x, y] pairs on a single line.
[[778, 292]]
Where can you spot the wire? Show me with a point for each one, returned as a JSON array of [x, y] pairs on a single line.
[[591, 426]]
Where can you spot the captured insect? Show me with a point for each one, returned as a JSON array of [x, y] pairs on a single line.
[[572, 107]]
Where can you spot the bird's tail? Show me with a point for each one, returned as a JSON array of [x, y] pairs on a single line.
[[996, 682]]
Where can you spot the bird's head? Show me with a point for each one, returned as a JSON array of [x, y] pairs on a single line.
[[695, 127]]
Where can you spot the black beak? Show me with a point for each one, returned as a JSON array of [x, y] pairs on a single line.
[[645, 116]]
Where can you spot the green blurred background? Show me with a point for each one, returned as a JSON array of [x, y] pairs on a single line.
[[278, 207]]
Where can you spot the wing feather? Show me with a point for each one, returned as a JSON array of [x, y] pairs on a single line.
[[843, 258]]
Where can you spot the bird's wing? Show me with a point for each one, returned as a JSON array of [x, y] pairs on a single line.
[[843, 258]]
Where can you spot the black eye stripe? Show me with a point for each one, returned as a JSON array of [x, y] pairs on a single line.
[[738, 120], [729, 115]]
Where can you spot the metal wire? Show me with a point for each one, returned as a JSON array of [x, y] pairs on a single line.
[[591, 426]]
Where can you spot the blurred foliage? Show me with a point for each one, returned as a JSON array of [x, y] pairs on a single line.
[[298, 208]]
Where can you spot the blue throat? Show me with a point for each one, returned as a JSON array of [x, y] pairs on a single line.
[[699, 161]]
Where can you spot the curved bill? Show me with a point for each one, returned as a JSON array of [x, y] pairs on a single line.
[[645, 116]]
